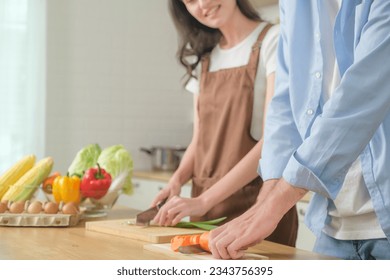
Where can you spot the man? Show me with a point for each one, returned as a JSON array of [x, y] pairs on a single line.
[[327, 131]]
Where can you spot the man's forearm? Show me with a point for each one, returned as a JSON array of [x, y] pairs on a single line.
[[283, 197]]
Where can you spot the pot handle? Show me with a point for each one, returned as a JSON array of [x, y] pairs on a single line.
[[148, 151]]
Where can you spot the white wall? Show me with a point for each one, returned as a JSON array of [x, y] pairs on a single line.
[[113, 78], [261, 3]]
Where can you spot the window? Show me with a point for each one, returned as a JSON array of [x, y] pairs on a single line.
[[22, 80]]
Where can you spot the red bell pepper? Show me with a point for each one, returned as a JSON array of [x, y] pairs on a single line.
[[95, 183]]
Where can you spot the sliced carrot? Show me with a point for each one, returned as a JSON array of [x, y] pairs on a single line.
[[187, 240], [180, 240], [204, 241], [195, 239]]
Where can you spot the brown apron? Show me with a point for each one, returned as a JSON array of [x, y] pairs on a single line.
[[225, 107]]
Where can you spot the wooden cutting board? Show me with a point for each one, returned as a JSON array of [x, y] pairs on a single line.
[[153, 234], [166, 250]]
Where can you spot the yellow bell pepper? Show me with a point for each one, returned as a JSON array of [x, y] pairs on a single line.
[[66, 189]]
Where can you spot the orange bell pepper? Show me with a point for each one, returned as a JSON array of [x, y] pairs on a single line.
[[47, 184], [66, 189]]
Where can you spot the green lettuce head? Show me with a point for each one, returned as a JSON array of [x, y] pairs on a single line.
[[85, 159], [115, 160]]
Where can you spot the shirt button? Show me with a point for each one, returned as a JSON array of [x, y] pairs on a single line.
[[317, 35], [318, 75], [310, 112]]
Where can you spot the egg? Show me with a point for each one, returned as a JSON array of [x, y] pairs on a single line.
[[35, 207], [50, 208], [17, 207], [70, 208], [3, 207]]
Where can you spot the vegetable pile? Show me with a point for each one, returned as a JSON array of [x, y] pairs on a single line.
[[97, 169], [93, 173]]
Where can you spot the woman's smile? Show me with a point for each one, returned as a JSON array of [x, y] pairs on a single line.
[[211, 12]]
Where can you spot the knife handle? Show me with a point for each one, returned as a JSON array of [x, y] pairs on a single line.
[[161, 203]]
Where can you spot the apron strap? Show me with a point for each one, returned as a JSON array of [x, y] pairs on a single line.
[[254, 58], [205, 62]]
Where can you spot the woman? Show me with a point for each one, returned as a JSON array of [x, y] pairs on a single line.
[[229, 55]]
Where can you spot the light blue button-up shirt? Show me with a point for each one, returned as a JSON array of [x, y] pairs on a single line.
[[312, 144]]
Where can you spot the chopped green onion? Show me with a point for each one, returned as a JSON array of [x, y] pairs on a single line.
[[206, 225]]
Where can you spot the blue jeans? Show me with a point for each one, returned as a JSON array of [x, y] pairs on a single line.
[[370, 249]]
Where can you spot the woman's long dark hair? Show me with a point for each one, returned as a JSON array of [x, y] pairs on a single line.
[[196, 39]]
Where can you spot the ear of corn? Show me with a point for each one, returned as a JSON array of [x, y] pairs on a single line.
[[15, 172], [26, 186]]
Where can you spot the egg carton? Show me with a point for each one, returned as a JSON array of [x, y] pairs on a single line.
[[39, 220]]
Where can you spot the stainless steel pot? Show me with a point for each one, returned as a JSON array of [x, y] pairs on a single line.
[[164, 158]]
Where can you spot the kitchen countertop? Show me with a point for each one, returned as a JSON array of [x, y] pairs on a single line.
[[165, 176], [76, 243]]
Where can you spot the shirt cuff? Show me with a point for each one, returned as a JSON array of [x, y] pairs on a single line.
[[299, 175], [273, 172]]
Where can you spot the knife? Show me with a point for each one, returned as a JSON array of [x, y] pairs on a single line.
[[144, 218], [192, 249], [197, 250]]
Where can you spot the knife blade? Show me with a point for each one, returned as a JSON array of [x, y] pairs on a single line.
[[144, 218], [197, 250], [192, 249]]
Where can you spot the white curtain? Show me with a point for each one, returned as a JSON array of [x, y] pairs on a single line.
[[22, 79]]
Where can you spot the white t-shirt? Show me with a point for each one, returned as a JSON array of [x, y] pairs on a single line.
[[352, 215], [239, 56]]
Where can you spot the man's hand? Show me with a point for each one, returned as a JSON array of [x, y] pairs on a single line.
[[232, 239]]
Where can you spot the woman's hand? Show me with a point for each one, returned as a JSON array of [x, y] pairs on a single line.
[[165, 193], [176, 208]]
